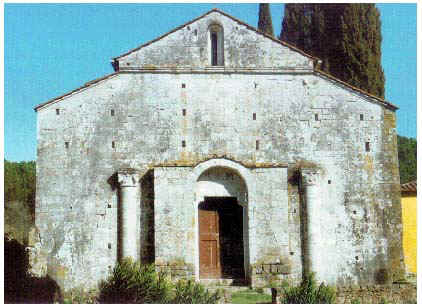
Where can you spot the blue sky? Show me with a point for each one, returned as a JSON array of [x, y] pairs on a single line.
[[51, 49]]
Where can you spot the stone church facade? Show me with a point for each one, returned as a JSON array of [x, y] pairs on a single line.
[[218, 152]]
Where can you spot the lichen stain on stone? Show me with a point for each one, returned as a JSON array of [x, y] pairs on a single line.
[[389, 119], [178, 262], [272, 256], [190, 234], [189, 159], [57, 271], [307, 164], [392, 215], [61, 272], [369, 165]]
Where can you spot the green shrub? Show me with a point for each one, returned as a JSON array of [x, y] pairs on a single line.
[[309, 293], [190, 292], [131, 282], [355, 301], [79, 296]]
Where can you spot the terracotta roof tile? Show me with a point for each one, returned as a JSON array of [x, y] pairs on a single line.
[[409, 187]]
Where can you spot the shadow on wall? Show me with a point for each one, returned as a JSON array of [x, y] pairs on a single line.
[[19, 285], [147, 218]]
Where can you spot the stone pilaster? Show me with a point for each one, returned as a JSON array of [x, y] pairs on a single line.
[[311, 179], [129, 196]]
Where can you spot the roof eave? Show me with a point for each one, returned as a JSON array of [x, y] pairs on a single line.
[[409, 187], [86, 85], [383, 102], [161, 36]]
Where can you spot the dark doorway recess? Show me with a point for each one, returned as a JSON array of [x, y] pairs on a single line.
[[221, 252]]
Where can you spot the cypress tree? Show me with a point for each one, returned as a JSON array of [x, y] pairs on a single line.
[[265, 23], [347, 37], [408, 158]]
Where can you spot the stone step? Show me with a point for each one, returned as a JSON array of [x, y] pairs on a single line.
[[223, 282], [229, 289]]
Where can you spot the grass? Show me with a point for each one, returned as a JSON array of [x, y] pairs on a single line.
[[250, 297]]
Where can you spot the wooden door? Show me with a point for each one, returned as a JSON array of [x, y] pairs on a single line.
[[209, 242]]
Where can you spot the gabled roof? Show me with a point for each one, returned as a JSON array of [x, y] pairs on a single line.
[[316, 71], [409, 187], [86, 85], [229, 16]]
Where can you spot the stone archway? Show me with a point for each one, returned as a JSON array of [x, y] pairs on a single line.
[[223, 235]]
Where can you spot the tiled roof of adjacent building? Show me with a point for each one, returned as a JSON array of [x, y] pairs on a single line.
[[409, 187]]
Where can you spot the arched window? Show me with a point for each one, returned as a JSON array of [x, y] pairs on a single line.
[[216, 45]]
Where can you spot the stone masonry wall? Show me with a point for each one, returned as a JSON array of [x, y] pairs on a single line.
[[75, 197], [272, 261], [397, 293], [174, 217], [378, 294], [189, 48]]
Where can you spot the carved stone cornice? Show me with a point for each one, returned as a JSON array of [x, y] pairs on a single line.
[[128, 178], [195, 161], [216, 69], [310, 176]]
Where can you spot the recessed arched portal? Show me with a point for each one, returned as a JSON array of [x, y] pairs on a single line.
[[222, 204]]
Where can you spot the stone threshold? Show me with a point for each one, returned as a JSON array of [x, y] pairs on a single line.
[[223, 282]]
